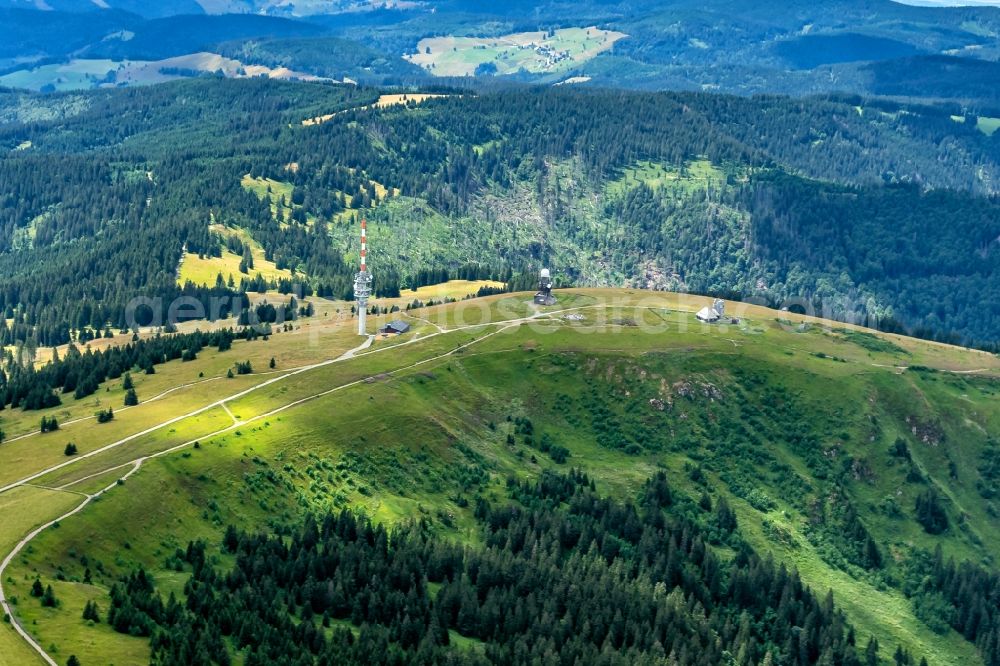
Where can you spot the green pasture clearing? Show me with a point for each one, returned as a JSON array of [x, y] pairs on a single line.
[[312, 340], [987, 125], [278, 192], [537, 52], [64, 626], [93, 483], [46, 505], [295, 348], [978, 29], [883, 613], [24, 237], [21, 457], [407, 100], [72, 75], [187, 430], [453, 289], [343, 426], [692, 176], [205, 270], [16, 523], [268, 187]]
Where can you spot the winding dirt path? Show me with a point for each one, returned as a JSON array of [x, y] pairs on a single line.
[[5, 604], [136, 464]]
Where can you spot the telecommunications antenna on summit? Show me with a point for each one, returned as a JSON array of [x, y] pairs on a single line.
[[363, 283]]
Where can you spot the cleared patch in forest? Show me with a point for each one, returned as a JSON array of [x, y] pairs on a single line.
[[694, 175], [384, 102], [278, 192], [456, 289], [204, 270], [536, 52], [987, 125]]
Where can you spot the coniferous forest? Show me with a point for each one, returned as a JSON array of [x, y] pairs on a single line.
[[562, 576], [888, 216]]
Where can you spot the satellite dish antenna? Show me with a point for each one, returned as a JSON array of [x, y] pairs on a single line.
[[544, 295]]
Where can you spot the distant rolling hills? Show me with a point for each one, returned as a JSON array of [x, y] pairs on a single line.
[[811, 51], [797, 47], [177, 35], [53, 50]]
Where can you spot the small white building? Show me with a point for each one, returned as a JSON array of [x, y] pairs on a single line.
[[714, 313]]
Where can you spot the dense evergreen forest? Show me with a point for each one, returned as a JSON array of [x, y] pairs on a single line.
[[562, 576], [866, 210]]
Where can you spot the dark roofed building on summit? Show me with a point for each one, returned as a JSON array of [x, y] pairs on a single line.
[[395, 327]]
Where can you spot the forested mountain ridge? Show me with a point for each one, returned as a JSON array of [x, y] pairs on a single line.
[[671, 190]]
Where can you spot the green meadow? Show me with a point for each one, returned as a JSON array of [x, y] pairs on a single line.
[[776, 413]]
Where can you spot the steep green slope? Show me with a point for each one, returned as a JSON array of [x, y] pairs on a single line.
[[825, 441]]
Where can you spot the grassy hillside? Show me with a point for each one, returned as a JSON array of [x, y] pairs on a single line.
[[205, 270], [795, 422], [536, 52]]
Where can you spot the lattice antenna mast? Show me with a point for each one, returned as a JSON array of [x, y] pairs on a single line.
[[363, 282]]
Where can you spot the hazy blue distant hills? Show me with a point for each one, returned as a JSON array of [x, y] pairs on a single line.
[[143, 8], [161, 8], [793, 47], [27, 33], [937, 76], [119, 34], [811, 51], [177, 35]]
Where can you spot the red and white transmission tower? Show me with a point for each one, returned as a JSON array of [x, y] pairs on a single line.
[[363, 282]]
